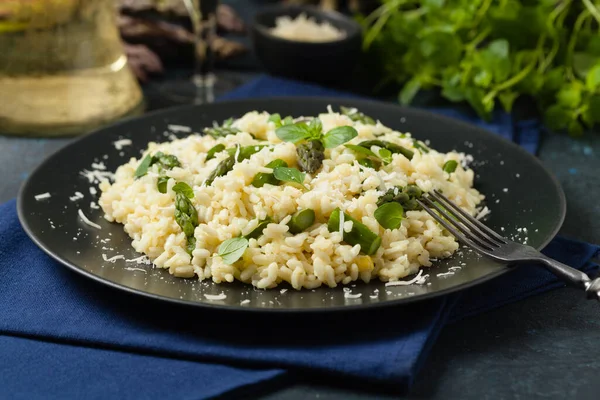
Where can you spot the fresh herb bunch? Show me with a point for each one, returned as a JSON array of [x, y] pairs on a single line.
[[490, 52]]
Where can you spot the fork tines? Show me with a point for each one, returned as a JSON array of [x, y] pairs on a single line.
[[463, 226]]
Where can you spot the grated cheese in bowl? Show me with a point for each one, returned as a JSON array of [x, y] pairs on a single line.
[[305, 29]]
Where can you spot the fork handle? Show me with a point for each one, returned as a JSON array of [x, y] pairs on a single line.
[[574, 277]]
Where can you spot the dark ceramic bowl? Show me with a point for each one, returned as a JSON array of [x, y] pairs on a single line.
[[322, 62]]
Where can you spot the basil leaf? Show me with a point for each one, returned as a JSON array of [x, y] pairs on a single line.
[[289, 175], [184, 189], [361, 150], [142, 169], [288, 120], [161, 184], [338, 136], [316, 128], [256, 232], [213, 151], [389, 215], [386, 156], [276, 119], [263, 178], [293, 133], [227, 123], [232, 249]]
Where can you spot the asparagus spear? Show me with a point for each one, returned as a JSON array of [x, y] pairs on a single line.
[[369, 242]]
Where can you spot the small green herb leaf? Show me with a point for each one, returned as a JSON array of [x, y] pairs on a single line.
[[161, 184], [275, 119], [213, 151], [386, 155], [142, 169], [293, 133], [263, 178], [232, 249], [450, 166], [184, 189], [316, 128], [290, 175], [389, 215], [256, 232], [338, 136]]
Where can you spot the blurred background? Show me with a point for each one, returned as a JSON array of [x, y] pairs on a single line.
[[68, 66]]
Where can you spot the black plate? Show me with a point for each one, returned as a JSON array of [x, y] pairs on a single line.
[[520, 193]]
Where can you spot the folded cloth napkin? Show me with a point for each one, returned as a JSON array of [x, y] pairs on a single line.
[[62, 335]]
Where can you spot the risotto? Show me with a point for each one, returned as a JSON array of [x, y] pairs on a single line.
[[311, 201]]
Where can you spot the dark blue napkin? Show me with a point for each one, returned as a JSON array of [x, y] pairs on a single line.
[[62, 335]]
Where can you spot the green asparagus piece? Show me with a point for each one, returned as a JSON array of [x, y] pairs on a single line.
[[301, 221], [222, 168], [394, 148], [256, 232], [310, 156], [450, 166], [369, 242], [213, 151]]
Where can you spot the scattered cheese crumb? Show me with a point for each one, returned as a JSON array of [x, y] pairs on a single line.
[[406, 283], [179, 128], [99, 166], [485, 211], [93, 191], [139, 260], [86, 220], [244, 302], [119, 144], [213, 297], [282, 291], [136, 269], [349, 295], [77, 196], [113, 259], [505, 190], [42, 196]]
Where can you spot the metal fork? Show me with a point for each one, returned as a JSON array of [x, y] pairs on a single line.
[[476, 235]]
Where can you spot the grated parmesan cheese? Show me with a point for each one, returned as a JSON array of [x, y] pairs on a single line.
[[213, 297], [77, 196], [416, 279], [244, 302], [179, 128], [86, 220], [119, 144], [348, 295], [42, 196], [113, 259]]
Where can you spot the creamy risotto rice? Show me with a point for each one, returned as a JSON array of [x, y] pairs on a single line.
[[230, 207]]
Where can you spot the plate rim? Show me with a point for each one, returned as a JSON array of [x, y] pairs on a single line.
[[238, 308]]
